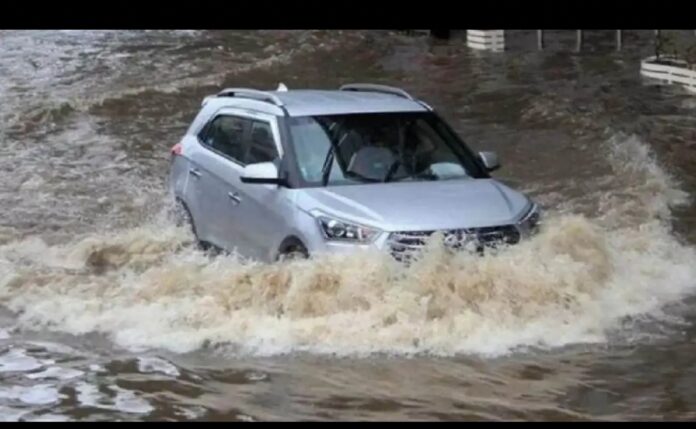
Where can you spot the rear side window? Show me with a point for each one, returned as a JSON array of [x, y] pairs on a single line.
[[225, 134], [246, 141], [261, 147]]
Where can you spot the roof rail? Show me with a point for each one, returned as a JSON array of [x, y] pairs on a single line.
[[251, 93], [370, 87]]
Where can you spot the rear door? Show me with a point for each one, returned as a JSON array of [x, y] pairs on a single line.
[[218, 165]]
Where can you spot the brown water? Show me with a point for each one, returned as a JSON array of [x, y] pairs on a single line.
[[107, 312]]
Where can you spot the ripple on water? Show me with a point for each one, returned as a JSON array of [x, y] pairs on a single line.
[[17, 360], [118, 399], [55, 372]]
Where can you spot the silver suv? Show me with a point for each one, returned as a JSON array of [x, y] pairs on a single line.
[[300, 172]]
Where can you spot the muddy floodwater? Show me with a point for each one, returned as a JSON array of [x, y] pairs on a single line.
[[108, 311]]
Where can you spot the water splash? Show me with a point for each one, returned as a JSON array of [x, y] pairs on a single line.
[[573, 283]]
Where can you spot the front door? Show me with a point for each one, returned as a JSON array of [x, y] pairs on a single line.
[[241, 217], [263, 208]]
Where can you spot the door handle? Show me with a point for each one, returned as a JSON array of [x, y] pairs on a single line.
[[234, 196], [195, 172]]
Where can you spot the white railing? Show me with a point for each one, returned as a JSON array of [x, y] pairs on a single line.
[[491, 40], [675, 71]]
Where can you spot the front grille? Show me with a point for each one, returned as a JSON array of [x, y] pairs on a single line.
[[405, 244]]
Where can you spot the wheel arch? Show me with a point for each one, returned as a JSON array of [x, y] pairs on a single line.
[[290, 242]]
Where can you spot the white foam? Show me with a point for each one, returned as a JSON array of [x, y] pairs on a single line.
[[245, 418], [39, 394], [97, 368], [88, 395], [16, 360], [256, 376], [191, 413], [127, 401], [55, 372], [156, 365], [124, 400]]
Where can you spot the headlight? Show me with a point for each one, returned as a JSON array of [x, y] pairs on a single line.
[[531, 220], [335, 229]]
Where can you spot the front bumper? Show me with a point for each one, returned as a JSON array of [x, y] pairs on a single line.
[[404, 245]]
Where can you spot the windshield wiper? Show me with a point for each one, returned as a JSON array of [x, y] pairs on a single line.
[[328, 161], [326, 167]]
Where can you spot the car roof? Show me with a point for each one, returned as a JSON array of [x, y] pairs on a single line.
[[310, 102], [323, 102]]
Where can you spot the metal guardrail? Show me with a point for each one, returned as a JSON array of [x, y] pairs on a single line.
[[493, 40], [670, 70]]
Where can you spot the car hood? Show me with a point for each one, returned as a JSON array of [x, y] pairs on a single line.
[[403, 206]]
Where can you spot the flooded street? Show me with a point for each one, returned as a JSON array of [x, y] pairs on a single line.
[[108, 311]]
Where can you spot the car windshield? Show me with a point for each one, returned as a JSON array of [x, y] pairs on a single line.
[[379, 147]]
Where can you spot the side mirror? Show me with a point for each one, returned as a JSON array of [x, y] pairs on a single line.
[[264, 173], [489, 160]]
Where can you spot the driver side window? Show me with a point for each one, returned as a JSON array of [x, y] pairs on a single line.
[[261, 147]]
